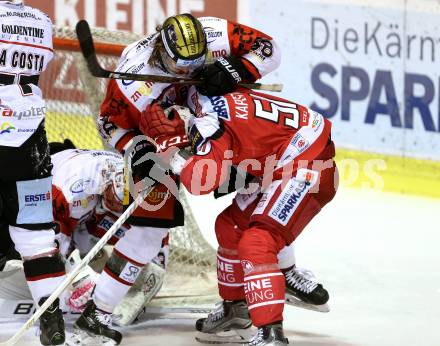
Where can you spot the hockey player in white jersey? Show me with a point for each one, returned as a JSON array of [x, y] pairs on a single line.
[[87, 199], [88, 190], [26, 199], [220, 52], [84, 182]]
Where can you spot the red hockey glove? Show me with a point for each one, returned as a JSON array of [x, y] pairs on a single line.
[[166, 131]]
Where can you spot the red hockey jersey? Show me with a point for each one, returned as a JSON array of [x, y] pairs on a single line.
[[259, 133]]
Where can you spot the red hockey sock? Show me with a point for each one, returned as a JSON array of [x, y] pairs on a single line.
[[264, 283], [265, 297], [229, 275]]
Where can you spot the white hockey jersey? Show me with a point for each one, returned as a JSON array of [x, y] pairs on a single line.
[[79, 179], [125, 99], [25, 50]]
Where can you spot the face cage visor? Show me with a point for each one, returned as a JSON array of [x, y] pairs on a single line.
[[112, 198], [181, 67]]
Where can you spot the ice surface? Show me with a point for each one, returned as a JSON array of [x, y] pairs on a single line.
[[377, 254]]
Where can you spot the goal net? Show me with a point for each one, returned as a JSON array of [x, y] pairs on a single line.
[[73, 98]]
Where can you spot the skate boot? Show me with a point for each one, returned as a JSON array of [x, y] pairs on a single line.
[[93, 328], [302, 290], [228, 323], [52, 324], [270, 335]]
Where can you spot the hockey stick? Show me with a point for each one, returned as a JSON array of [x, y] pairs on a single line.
[[85, 39], [178, 310], [69, 278]]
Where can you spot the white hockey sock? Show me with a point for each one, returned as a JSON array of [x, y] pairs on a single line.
[[109, 292]]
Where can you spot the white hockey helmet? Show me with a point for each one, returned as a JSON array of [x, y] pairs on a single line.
[[113, 187]]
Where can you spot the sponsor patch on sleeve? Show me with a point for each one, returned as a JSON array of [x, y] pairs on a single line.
[[34, 201]]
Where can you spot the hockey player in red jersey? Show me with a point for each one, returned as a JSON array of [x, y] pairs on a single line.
[[25, 189], [288, 148], [220, 52], [223, 54]]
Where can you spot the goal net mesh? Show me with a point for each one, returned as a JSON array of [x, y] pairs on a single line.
[[73, 98]]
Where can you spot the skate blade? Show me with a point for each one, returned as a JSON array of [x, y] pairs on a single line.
[[82, 338], [236, 336], [293, 301]]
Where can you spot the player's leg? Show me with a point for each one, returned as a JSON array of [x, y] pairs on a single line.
[[302, 289], [26, 188], [278, 220], [130, 254], [232, 313], [13, 283], [146, 286], [301, 286], [264, 283]]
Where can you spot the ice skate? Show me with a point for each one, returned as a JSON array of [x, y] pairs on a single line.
[[93, 327], [302, 290], [52, 324], [270, 335], [229, 323]]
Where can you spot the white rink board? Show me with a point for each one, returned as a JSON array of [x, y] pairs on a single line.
[[371, 66], [376, 253]]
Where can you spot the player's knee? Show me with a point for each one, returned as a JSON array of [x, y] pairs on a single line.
[[258, 246], [123, 267], [32, 243], [141, 244], [226, 230], [329, 183]]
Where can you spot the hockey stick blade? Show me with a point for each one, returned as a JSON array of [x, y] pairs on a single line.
[[85, 39], [88, 49], [178, 310]]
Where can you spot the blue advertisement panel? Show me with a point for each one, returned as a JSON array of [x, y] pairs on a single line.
[[372, 68]]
